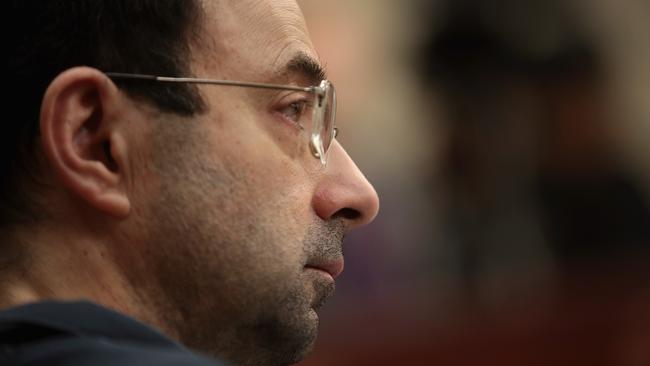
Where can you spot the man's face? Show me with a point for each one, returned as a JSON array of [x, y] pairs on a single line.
[[243, 224]]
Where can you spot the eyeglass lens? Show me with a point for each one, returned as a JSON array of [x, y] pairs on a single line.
[[324, 117]]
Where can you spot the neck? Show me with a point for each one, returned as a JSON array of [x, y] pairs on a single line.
[[51, 264]]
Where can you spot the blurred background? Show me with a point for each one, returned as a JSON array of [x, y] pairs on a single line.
[[509, 142]]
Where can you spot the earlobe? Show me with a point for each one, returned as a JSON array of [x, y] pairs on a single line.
[[81, 139]]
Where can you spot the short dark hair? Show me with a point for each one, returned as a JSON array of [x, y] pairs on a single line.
[[48, 37]]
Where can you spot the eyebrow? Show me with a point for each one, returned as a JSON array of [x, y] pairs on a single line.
[[305, 67]]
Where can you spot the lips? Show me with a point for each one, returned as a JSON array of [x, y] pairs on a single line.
[[334, 268]]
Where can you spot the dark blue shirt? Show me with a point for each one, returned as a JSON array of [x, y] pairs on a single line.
[[82, 333]]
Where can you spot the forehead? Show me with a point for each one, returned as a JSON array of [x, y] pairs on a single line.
[[250, 39]]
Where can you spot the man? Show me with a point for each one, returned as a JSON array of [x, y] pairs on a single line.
[[210, 210]]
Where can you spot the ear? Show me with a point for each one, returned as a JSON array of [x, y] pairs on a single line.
[[81, 140]]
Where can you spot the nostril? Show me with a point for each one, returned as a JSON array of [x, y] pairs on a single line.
[[349, 214]]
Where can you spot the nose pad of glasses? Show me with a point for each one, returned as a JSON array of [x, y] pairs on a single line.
[[317, 149]]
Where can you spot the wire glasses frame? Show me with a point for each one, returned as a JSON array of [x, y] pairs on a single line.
[[323, 115]]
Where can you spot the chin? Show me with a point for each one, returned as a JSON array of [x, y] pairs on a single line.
[[296, 356], [275, 349], [304, 343], [286, 343]]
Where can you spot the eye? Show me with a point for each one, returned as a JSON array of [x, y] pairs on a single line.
[[296, 112]]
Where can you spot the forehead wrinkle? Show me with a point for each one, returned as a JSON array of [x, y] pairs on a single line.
[[260, 38], [278, 24], [260, 11]]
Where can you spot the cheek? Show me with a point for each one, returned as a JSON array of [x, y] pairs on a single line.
[[257, 194], [274, 185], [253, 143]]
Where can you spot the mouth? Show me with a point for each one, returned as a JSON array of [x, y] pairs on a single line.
[[333, 268]]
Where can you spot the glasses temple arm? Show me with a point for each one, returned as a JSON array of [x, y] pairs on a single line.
[[119, 75]]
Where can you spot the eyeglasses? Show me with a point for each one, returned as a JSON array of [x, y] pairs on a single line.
[[320, 122]]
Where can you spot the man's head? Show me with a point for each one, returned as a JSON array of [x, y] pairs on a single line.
[[199, 209], [48, 38]]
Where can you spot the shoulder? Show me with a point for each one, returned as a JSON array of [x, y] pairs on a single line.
[[74, 351], [82, 333]]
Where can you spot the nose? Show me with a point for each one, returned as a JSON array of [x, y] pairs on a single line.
[[344, 192]]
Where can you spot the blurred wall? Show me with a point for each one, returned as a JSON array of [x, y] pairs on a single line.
[[507, 142], [622, 30]]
